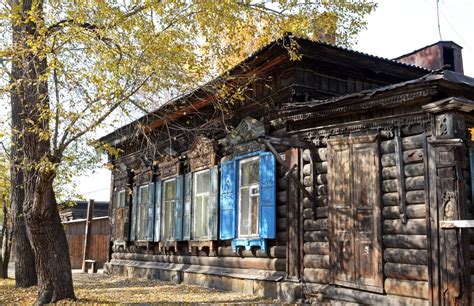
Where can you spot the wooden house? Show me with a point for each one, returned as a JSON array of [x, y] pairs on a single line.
[[330, 180]]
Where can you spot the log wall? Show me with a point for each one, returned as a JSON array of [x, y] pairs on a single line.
[[316, 245], [405, 243]]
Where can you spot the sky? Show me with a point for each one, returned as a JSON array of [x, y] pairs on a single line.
[[395, 28]]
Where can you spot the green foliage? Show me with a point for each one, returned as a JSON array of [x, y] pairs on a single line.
[[4, 183]]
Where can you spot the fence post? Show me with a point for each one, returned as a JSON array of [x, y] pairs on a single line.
[[87, 233]]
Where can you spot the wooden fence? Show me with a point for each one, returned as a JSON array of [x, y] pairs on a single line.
[[98, 249]]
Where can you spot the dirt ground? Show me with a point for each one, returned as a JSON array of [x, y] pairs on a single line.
[[100, 288]]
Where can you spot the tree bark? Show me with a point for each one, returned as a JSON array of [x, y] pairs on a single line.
[[44, 228], [25, 271], [6, 243]]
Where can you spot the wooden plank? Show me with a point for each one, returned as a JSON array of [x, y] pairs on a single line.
[[450, 224], [87, 234]]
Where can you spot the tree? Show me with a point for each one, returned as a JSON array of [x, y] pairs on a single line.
[[5, 226], [73, 64]]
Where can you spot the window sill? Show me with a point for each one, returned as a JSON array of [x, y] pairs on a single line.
[[248, 243]]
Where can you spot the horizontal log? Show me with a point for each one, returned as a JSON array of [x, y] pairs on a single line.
[[321, 212], [321, 154], [316, 275], [409, 157], [410, 130], [308, 181], [316, 261], [281, 184], [406, 256], [316, 248], [322, 190], [409, 171], [405, 271], [415, 211], [412, 227], [321, 201], [281, 197], [281, 237], [321, 168], [321, 179], [315, 236], [408, 143], [417, 289], [281, 224], [411, 184], [281, 211], [274, 251], [405, 241], [316, 225], [274, 264], [412, 197], [306, 155]]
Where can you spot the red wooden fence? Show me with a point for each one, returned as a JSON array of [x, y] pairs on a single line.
[[99, 241]]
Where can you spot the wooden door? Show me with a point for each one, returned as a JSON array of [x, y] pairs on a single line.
[[354, 204]]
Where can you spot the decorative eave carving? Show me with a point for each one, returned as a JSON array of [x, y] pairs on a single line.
[[249, 129], [450, 104], [202, 153], [169, 166]]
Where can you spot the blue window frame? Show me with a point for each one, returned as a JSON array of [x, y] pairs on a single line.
[[247, 206]]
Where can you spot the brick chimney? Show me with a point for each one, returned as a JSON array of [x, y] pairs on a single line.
[[436, 56]]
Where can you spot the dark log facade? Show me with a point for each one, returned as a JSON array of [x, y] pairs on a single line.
[[327, 182]]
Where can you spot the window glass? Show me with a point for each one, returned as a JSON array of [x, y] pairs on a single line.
[[142, 213], [249, 196], [201, 191], [169, 198]]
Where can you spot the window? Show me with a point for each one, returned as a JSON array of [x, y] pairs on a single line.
[[247, 206], [169, 201], [249, 194], [121, 199], [142, 212], [201, 198]]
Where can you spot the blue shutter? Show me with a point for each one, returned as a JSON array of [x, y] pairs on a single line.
[[133, 226], [213, 203], [188, 183], [267, 222], [228, 201], [178, 209], [157, 211], [150, 211]]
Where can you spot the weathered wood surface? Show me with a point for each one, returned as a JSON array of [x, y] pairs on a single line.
[[316, 248], [409, 157], [316, 275], [409, 171], [406, 256], [406, 271], [411, 184], [316, 261], [417, 289], [316, 225], [408, 143], [321, 212], [405, 241], [321, 167], [273, 252], [316, 236], [412, 197], [275, 264], [412, 227], [320, 155], [320, 201], [415, 211]]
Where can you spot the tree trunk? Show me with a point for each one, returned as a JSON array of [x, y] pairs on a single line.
[[49, 244], [25, 272], [45, 231], [6, 243]]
